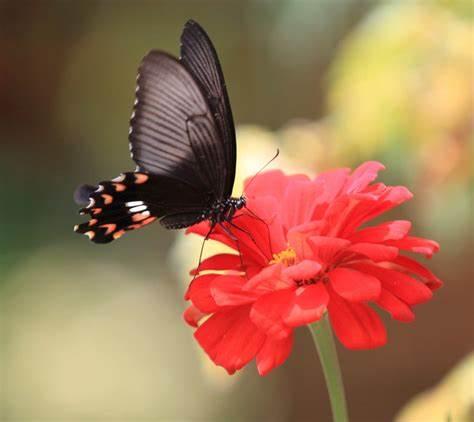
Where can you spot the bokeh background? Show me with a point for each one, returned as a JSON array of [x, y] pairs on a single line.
[[94, 333]]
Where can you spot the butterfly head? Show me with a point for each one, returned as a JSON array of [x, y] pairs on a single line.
[[240, 202]]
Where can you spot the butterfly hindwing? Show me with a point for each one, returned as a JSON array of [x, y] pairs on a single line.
[[134, 200]]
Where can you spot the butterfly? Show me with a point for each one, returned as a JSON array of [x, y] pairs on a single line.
[[182, 139]]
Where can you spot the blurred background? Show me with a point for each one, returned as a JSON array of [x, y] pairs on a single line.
[[94, 333]]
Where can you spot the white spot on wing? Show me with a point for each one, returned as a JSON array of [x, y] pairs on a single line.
[[120, 178], [138, 209], [133, 203]]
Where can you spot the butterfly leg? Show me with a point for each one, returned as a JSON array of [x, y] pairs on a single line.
[[202, 250], [255, 216], [237, 243], [247, 233]]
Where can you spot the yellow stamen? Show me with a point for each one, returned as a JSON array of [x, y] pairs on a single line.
[[286, 257]]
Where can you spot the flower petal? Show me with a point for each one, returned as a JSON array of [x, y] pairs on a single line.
[[224, 261], [362, 176], [298, 241], [301, 196], [263, 213], [354, 286], [230, 338], [356, 326], [403, 286], [307, 305], [226, 290], [367, 210], [326, 248], [304, 270], [268, 280], [193, 315], [416, 244], [374, 251], [270, 183], [391, 230], [266, 313], [199, 293], [273, 353], [409, 264], [398, 309]]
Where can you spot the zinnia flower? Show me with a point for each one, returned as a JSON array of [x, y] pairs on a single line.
[[304, 250]]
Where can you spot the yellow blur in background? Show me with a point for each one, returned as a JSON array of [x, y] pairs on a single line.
[[94, 333]]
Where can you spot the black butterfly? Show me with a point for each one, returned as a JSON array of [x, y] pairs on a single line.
[[182, 139]]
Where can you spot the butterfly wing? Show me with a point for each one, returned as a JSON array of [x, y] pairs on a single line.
[[199, 57], [134, 200], [172, 130], [184, 164]]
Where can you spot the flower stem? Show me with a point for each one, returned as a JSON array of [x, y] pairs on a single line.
[[324, 341]]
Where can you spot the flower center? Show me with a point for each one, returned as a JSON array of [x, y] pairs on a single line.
[[286, 257]]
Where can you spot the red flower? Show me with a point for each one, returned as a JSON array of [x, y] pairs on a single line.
[[306, 254]]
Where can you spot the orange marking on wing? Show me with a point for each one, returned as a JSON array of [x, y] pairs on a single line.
[[93, 221], [118, 234], [120, 187], [90, 234], [140, 216], [107, 198], [110, 228], [96, 211], [148, 221], [140, 178], [134, 226]]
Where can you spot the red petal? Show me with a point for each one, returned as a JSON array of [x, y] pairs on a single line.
[[298, 241], [326, 248], [420, 270], [333, 181], [374, 251], [362, 176], [416, 244], [226, 290], [271, 228], [304, 270], [300, 197], [406, 288], [353, 285], [273, 353], [200, 228], [224, 261], [395, 307], [369, 209], [199, 293], [356, 326], [230, 338], [272, 183], [193, 315], [307, 305], [392, 230], [266, 313], [268, 280]]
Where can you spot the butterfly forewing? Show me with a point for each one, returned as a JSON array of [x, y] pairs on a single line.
[[199, 56]]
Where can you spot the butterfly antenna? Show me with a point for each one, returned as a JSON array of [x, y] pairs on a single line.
[[263, 168]]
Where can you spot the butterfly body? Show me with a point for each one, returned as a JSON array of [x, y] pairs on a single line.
[[182, 139]]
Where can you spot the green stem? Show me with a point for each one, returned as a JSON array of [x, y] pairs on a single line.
[[324, 341]]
